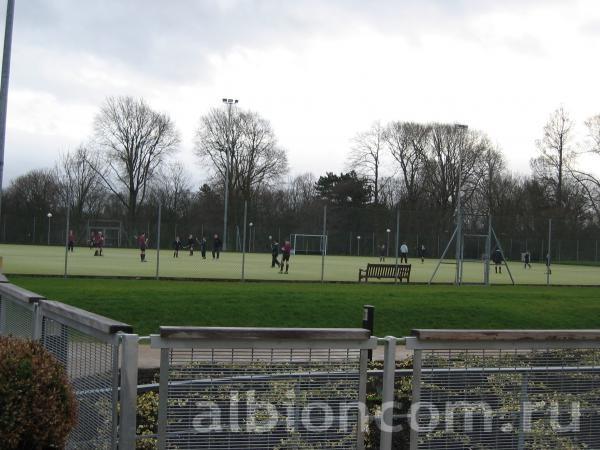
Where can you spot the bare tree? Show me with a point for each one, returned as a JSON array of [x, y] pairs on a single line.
[[81, 185], [248, 141], [555, 153], [366, 155], [135, 141], [173, 189], [588, 180], [407, 143]]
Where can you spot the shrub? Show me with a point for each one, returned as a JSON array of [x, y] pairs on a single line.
[[147, 420], [37, 404]]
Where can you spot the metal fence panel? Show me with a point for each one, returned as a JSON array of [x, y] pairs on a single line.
[[90, 365], [16, 318], [264, 396], [505, 395]]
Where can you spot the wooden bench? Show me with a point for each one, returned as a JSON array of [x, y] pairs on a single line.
[[389, 271]]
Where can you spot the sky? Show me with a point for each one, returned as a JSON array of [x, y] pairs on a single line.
[[319, 71]]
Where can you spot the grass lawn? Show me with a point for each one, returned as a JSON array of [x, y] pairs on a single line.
[[146, 304], [49, 260]]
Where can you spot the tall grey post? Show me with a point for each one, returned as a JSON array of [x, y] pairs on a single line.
[[549, 255], [397, 242], [158, 242], [387, 395], [10, 12], [67, 235], [228, 150], [324, 245], [128, 391], [244, 242]]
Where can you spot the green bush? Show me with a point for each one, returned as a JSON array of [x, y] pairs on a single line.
[[147, 419], [37, 404]]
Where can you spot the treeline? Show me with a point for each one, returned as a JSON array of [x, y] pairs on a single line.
[[129, 166]]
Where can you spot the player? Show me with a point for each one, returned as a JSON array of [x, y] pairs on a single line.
[[548, 264], [71, 241], [203, 247], [286, 251], [176, 247], [527, 260], [404, 253], [422, 251], [274, 254], [98, 243], [382, 253], [191, 241], [142, 243], [217, 246], [497, 258]]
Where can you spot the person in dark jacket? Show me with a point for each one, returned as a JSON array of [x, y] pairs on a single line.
[[382, 252], [203, 247], [497, 258], [71, 243], [177, 245], [217, 245], [274, 253], [527, 260], [190, 244]]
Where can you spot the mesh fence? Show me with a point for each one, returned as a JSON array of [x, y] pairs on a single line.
[[16, 318], [90, 365], [262, 398], [509, 399]]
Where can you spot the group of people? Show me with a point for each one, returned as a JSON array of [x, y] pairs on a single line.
[[201, 244], [96, 242], [403, 253], [285, 250]]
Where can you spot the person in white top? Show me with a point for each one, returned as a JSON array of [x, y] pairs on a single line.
[[404, 253]]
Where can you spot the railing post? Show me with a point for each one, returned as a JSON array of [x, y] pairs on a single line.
[[38, 319], [128, 397], [416, 398], [387, 396], [163, 393], [2, 316], [368, 323]]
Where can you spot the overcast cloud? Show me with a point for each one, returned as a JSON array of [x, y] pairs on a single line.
[[320, 71]]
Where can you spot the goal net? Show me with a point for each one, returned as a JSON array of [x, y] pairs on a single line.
[[111, 229], [309, 244]]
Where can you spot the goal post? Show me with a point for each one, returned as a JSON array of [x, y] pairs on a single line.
[[309, 244]]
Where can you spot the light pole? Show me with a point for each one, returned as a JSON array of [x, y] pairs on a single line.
[[229, 102], [357, 245], [387, 247], [251, 224], [49, 215], [459, 219]]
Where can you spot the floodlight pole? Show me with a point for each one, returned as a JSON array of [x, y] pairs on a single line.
[[324, 241], [229, 102], [397, 242], [8, 29], [49, 218], [387, 248], [67, 235], [549, 256], [158, 242], [244, 242], [459, 219]]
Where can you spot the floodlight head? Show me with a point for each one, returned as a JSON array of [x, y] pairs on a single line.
[[224, 100], [388, 230], [49, 215], [357, 237], [251, 224], [461, 126]]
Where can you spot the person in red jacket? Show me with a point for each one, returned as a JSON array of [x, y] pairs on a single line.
[[71, 241], [286, 251], [142, 243], [99, 243]]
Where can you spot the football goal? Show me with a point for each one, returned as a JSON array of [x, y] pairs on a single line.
[[309, 244]]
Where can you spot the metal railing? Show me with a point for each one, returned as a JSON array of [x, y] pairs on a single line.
[[99, 356], [498, 389], [268, 388]]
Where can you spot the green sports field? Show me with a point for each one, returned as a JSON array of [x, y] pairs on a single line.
[[148, 304], [49, 260]]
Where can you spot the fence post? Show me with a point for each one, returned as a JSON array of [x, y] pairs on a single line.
[[158, 242], [577, 250], [387, 395], [128, 397], [163, 400], [324, 246], [67, 235], [38, 318], [244, 241], [416, 398], [396, 244], [549, 256], [368, 322], [596, 253]]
